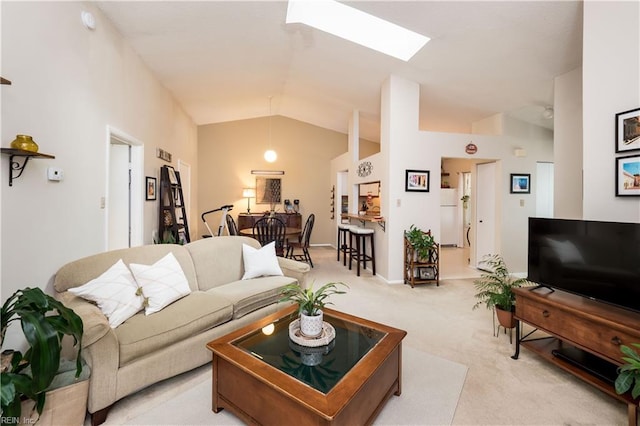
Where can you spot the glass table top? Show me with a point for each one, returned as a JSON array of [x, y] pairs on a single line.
[[321, 367]]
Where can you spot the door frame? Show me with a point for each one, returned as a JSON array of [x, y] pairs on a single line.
[[136, 189]]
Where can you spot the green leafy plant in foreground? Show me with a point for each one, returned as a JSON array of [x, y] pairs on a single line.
[[45, 321], [630, 372]]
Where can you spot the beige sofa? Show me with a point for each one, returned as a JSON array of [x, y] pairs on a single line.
[[147, 349]]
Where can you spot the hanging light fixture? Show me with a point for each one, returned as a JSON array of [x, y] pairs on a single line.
[[270, 155]]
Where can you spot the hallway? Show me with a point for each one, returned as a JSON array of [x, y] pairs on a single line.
[[454, 263]]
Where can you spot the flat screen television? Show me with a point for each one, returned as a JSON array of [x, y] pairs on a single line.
[[598, 260]]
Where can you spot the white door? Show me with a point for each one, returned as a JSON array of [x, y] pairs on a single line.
[[119, 196], [485, 211], [124, 192]]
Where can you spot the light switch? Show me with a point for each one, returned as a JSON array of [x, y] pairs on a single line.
[[521, 203]]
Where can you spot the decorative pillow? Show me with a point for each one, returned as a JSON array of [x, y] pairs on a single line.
[[115, 292], [260, 262], [162, 283]]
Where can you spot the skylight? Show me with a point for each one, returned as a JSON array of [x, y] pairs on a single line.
[[356, 26]]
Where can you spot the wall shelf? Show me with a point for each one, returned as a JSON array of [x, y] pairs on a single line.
[[4, 81], [15, 167]]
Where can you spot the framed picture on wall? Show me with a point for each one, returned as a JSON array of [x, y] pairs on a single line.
[[628, 176], [416, 181], [520, 183], [151, 189], [628, 130]]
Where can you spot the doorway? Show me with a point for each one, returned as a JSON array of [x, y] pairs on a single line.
[[124, 192]]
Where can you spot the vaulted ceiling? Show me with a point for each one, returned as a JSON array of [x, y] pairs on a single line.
[[222, 60]]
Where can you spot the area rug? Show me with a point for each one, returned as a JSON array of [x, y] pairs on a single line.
[[431, 387]]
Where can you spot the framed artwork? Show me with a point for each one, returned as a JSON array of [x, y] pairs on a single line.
[[416, 181], [628, 176], [172, 175], [150, 184], [628, 130], [427, 273], [520, 183], [268, 190]]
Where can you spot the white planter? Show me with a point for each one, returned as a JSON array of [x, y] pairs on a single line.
[[311, 326]]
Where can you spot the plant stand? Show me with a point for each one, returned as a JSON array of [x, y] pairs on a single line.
[[497, 325], [421, 271]]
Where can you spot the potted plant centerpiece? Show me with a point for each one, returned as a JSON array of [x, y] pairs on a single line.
[[422, 242], [629, 373], [495, 289], [310, 304], [45, 321]]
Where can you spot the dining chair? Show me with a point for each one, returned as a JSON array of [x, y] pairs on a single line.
[[302, 243], [270, 229], [231, 226]]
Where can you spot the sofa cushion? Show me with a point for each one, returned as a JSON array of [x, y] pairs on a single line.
[[193, 314], [218, 260], [80, 271], [249, 295]]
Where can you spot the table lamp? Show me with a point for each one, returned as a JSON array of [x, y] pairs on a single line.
[[249, 193]]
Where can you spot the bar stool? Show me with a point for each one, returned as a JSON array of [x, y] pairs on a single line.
[[343, 240], [359, 253]]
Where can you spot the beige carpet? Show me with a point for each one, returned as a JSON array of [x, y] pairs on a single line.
[[430, 390]]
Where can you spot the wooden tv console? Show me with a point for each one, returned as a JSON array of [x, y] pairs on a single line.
[[572, 320]]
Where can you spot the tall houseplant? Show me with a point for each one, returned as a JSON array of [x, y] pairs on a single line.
[[629, 373], [310, 304], [422, 242], [45, 321], [495, 289]]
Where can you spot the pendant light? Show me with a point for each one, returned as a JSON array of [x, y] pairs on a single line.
[[270, 155]]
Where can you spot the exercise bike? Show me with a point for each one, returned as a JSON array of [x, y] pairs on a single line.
[[223, 220]]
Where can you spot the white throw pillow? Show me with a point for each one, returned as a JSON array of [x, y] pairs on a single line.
[[260, 262], [162, 283], [114, 292]]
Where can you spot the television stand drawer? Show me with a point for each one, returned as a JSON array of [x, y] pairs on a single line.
[[594, 333]]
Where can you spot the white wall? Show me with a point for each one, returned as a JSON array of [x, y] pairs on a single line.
[[568, 146], [611, 66], [69, 84], [404, 146]]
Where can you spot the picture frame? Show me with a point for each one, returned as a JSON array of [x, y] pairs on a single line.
[[427, 273], [520, 183], [417, 180], [628, 130], [173, 179], [628, 176], [268, 190], [151, 185]]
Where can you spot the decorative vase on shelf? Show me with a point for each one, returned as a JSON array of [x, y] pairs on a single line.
[[25, 143], [311, 325]]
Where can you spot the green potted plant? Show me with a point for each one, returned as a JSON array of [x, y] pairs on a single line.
[[495, 289], [45, 321], [422, 242], [310, 304], [629, 373]]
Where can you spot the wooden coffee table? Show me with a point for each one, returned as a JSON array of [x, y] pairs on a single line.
[[268, 379]]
